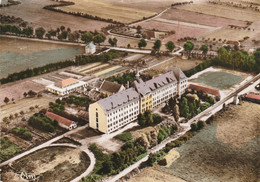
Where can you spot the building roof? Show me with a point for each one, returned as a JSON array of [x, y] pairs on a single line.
[[253, 96], [59, 119], [146, 87], [66, 82], [91, 45], [118, 99], [178, 73], [111, 87]]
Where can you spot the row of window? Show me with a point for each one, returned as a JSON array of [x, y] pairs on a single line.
[[116, 125], [124, 108]]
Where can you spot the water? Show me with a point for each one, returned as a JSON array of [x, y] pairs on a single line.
[[11, 62], [220, 80]]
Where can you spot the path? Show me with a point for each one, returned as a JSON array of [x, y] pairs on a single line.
[[131, 50], [46, 144], [186, 24], [156, 64]]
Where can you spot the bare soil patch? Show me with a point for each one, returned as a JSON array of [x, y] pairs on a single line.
[[183, 64], [152, 174], [229, 34], [181, 31], [239, 125], [29, 46], [223, 11], [198, 18], [16, 90], [107, 10], [50, 163], [32, 11]]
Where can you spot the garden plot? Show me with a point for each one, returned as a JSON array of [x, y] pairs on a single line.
[[93, 69], [229, 34], [110, 69], [88, 67], [221, 152]]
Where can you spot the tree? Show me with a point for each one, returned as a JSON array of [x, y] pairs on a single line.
[[170, 46], [171, 103], [200, 125], [157, 45], [6, 100], [107, 167], [188, 46], [138, 29], [148, 117], [204, 49], [40, 32], [194, 127], [28, 31], [176, 113], [141, 120], [112, 42], [25, 94], [87, 37], [99, 38], [142, 43]]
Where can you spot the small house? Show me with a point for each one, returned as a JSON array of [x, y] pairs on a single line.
[[109, 88], [90, 48], [63, 122]]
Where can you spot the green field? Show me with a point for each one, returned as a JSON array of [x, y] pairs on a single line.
[[221, 80]]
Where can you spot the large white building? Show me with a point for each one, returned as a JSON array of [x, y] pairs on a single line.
[[111, 113], [66, 86]]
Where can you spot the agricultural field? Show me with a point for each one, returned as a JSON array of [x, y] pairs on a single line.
[[223, 11], [107, 10], [50, 164], [153, 174], [18, 54], [229, 34], [181, 30], [32, 11], [201, 19], [233, 133], [183, 64]]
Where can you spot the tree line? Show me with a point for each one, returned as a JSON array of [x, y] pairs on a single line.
[[79, 60]]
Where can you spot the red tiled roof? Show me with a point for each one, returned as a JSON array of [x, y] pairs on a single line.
[[233, 42], [205, 89], [253, 96], [58, 118], [66, 82]]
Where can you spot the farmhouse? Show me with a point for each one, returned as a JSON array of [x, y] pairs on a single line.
[[112, 113], [63, 122], [66, 86], [109, 88], [90, 48]]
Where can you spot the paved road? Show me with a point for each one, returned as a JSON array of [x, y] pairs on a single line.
[[131, 50]]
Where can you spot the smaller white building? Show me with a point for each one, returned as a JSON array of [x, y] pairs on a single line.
[[90, 48], [66, 86], [3, 2]]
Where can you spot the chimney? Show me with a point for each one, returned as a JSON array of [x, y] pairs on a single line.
[[112, 105], [128, 98]]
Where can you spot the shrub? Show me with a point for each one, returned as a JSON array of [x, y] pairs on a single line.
[[8, 149], [125, 136], [194, 127], [201, 125], [42, 122], [23, 133]]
